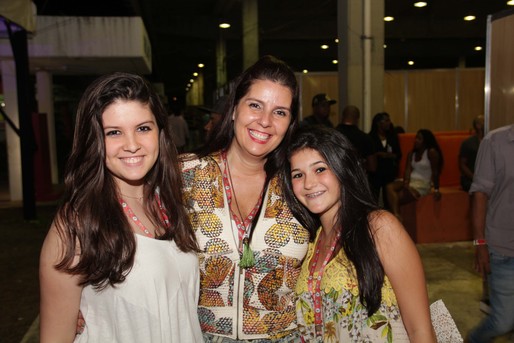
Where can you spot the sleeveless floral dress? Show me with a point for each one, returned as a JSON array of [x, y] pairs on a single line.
[[345, 319]]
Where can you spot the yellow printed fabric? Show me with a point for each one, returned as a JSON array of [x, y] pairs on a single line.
[[345, 319]]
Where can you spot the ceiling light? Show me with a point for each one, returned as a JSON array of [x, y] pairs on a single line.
[[324, 47], [201, 65], [337, 39], [420, 4], [411, 63], [191, 80], [469, 18], [334, 62], [305, 71], [188, 85], [385, 46], [224, 25], [388, 18], [195, 74], [478, 48], [510, 3]]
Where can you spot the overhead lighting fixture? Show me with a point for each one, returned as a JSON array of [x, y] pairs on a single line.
[[388, 18], [334, 61], [305, 71], [224, 25], [411, 63], [385, 46], [324, 46], [478, 48], [201, 65], [420, 4], [469, 18], [195, 74], [510, 2], [191, 80], [337, 39]]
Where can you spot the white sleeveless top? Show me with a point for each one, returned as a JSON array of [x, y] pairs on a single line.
[[421, 170], [421, 174], [156, 303]]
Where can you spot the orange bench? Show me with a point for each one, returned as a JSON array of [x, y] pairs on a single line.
[[447, 220]]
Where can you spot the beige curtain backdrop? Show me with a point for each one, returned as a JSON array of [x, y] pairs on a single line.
[[439, 100], [500, 62]]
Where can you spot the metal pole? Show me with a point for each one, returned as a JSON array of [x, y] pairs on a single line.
[[20, 52]]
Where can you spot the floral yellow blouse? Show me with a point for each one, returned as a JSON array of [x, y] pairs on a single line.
[[345, 319]]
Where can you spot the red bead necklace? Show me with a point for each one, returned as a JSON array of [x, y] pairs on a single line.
[[314, 284]]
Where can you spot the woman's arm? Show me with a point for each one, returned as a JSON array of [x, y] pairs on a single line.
[[434, 158], [402, 265], [408, 170], [60, 294]]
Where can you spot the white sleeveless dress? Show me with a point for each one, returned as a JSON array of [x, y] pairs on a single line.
[[156, 303], [421, 175]]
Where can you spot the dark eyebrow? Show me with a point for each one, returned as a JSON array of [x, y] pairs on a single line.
[[312, 164]]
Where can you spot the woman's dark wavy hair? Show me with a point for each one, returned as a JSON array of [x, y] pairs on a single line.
[[90, 220], [376, 120], [430, 142], [357, 204], [266, 68]]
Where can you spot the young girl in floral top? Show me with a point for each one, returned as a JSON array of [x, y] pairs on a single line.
[[362, 279]]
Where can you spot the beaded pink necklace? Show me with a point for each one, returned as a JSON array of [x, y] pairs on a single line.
[[243, 227], [128, 211], [314, 284]]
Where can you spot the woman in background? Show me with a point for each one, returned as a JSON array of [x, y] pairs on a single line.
[[387, 150], [362, 279], [121, 248], [422, 171]]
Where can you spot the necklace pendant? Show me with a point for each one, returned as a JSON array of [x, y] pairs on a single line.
[[248, 259]]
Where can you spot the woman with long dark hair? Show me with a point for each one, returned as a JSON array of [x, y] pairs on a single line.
[[362, 279], [388, 153], [121, 248], [251, 245], [422, 171]]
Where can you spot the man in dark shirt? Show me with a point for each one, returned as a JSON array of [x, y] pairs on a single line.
[[468, 153], [320, 111], [360, 140]]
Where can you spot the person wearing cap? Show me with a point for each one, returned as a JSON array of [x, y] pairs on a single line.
[[320, 111]]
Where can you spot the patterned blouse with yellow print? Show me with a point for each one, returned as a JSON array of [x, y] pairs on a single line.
[[345, 319]]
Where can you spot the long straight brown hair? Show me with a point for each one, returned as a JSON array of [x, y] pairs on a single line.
[[91, 221]]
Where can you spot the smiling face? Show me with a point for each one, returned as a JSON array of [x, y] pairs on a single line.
[[261, 118], [314, 184], [131, 142]]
